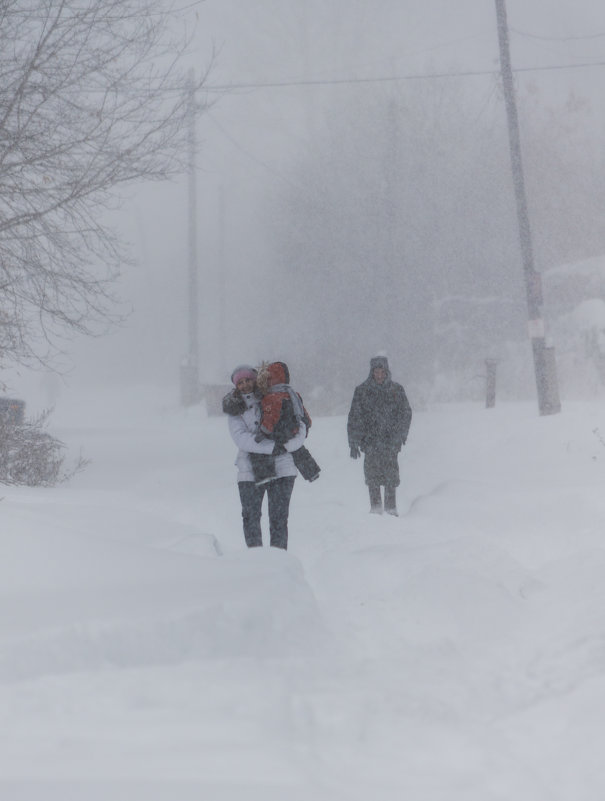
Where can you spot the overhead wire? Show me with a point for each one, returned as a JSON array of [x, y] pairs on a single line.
[[247, 153], [540, 37], [242, 85]]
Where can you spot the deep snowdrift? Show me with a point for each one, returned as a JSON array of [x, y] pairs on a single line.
[[455, 652]]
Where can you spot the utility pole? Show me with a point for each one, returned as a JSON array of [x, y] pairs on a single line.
[[222, 279], [190, 390], [544, 357]]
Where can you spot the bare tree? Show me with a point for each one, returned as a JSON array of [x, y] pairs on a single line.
[[30, 456], [92, 97]]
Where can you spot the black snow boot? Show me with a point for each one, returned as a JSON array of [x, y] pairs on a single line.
[[390, 501], [375, 500]]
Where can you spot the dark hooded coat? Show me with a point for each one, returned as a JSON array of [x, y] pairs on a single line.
[[378, 423]]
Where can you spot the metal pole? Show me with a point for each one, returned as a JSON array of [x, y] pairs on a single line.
[[490, 383], [189, 369], [544, 359], [222, 267]]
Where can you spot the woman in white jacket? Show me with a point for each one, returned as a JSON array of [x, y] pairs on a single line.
[[242, 405]]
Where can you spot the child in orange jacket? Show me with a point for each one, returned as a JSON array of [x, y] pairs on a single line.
[[282, 411]]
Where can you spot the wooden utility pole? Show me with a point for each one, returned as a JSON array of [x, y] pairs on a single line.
[[544, 357], [490, 383], [190, 389], [222, 279]]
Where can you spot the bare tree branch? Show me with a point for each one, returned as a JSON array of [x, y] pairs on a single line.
[[92, 97]]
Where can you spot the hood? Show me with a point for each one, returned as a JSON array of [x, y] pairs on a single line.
[[278, 373], [269, 375], [380, 361]]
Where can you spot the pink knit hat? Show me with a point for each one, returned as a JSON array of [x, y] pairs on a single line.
[[243, 371]]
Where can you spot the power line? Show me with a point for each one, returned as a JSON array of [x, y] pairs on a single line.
[[583, 38], [389, 78], [247, 153], [579, 65], [337, 81], [176, 89]]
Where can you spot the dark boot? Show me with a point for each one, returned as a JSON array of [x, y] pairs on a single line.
[[390, 501], [375, 500]]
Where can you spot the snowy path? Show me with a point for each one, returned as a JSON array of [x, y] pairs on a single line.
[[456, 652]]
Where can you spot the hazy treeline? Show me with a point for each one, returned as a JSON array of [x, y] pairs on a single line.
[[398, 229]]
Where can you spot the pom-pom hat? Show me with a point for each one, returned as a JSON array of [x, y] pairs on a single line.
[[243, 371]]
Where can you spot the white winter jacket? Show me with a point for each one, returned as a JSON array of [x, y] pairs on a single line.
[[243, 428]]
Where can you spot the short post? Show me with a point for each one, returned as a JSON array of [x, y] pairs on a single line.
[[190, 391], [490, 383], [546, 376]]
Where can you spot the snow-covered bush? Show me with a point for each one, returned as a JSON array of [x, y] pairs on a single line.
[[576, 312], [32, 457]]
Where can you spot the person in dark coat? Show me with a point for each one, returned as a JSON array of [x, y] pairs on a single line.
[[378, 425]]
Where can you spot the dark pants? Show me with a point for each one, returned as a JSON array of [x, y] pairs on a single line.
[[380, 467], [279, 492]]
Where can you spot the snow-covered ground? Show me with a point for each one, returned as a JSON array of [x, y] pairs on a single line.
[[456, 653]]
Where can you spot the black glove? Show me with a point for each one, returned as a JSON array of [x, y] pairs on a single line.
[[279, 449], [355, 452]]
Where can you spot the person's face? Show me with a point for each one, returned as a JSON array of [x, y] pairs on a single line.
[[245, 385], [379, 374]]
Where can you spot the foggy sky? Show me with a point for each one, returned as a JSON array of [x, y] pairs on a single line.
[[251, 136]]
